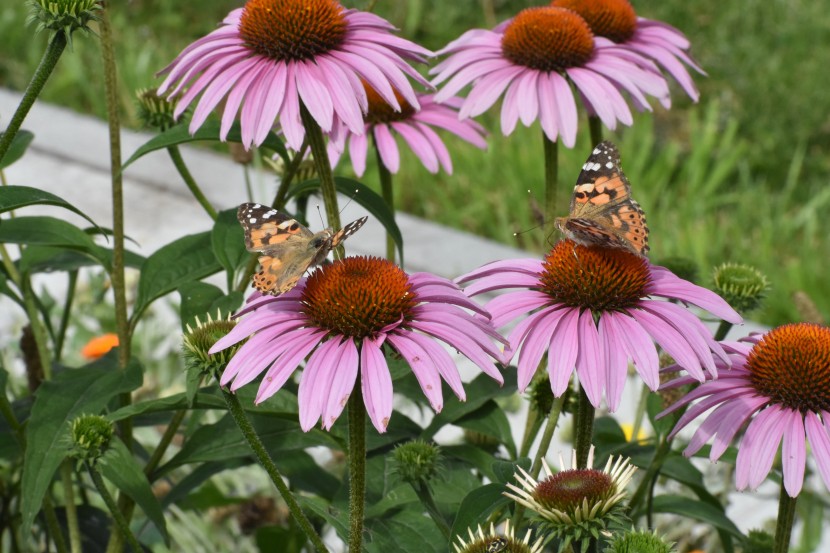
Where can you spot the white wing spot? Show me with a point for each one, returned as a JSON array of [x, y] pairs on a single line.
[[271, 213], [609, 165], [252, 220], [257, 206], [597, 151]]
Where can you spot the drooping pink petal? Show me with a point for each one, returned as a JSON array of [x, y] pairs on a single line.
[[616, 362], [342, 382], [563, 352], [388, 149], [590, 359], [316, 381], [820, 442], [794, 452], [422, 368], [376, 384], [358, 149], [758, 448], [639, 347]]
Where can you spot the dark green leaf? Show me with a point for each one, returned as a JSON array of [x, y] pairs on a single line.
[[94, 525], [406, 532], [392, 499], [49, 231], [58, 401], [120, 467], [15, 197], [185, 260], [17, 148], [365, 196], [476, 507], [336, 517], [491, 421], [472, 456], [47, 259], [208, 131], [505, 470], [165, 404], [698, 510], [197, 477], [277, 538], [197, 297], [654, 405], [228, 241]]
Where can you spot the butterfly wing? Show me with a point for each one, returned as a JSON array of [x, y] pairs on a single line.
[[326, 241], [602, 210]]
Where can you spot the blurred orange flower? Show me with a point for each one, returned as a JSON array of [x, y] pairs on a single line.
[[99, 346]]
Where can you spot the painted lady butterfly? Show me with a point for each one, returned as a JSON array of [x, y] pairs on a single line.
[[603, 213], [288, 248]]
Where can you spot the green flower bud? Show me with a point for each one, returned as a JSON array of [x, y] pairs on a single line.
[[743, 287], [91, 435], [758, 541], [417, 461], [197, 341], [492, 542], [639, 541], [64, 16], [154, 111]]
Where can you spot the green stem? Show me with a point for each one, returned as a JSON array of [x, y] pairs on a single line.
[[53, 525], [44, 69], [250, 435], [38, 332], [425, 495], [71, 508], [387, 192], [357, 468], [640, 413], [595, 128], [532, 426], [315, 138], [67, 309], [652, 472], [288, 176], [164, 443], [117, 515], [583, 429], [784, 525], [544, 445], [723, 329], [551, 177], [187, 177], [246, 173]]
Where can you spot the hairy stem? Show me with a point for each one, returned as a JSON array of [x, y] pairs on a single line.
[[784, 525], [357, 468], [583, 429]]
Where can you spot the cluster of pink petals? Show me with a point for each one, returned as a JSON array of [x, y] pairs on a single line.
[[600, 354], [281, 336], [736, 404], [417, 131], [667, 46], [529, 94], [220, 65]]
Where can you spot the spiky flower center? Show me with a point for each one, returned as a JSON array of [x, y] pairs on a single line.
[[381, 112], [791, 365], [358, 296], [566, 491], [613, 19], [595, 278], [292, 30], [548, 39]]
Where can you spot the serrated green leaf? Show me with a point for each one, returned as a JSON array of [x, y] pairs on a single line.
[[185, 260], [228, 241], [120, 467], [58, 401], [208, 131], [364, 196], [49, 231], [20, 143], [15, 197]]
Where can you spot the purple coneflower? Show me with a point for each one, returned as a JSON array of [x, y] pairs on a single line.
[[591, 308], [342, 315], [617, 21], [415, 126], [778, 388], [274, 56], [533, 58]]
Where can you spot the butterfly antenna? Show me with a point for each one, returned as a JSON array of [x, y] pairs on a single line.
[[342, 209], [320, 215], [536, 214]]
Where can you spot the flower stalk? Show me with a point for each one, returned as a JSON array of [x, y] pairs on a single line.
[[357, 468], [388, 195], [583, 428], [317, 142], [250, 435], [784, 525], [115, 511], [71, 508], [47, 64], [551, 152], [187, 177]]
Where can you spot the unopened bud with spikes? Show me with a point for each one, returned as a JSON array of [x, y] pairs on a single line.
[[91, 435], [154, 111], [742, 286], [639, 541], [417, 461], [64, 16], [199, 339]]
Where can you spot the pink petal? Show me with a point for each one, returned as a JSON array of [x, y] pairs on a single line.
[[376, 384], [794, 453], [385, 143], [563, 352], [342, 383], [590, 361]]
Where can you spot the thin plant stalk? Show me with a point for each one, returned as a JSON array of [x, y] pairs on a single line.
[[117, 516], [784, 524], [38, 331], [67, 310], [265, 460], [583, 429], [47, 64], [71, 508], [640, 413], [387, 192], [532, 425], [425, 496], [357, 468], [317, 142], [595, 128], [723, 329], [652, 472], [53, 525], [187, 177], [551, 177], [164, 443]]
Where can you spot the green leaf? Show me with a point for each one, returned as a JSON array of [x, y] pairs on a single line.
[[407, 532], [506, 470], [336, 517], [17, 148], [47, 259], [49, 231], [472, 456], [15, 197], [120, 467], [197, 297], [208, 131], [491, 421], [58, 401], [228, 240], [476, 507], [698, 510], [182, 261], [364, 196], [166, 404]]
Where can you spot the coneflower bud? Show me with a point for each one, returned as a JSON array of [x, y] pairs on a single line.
[[743, 287], [417, 461], [91, 435], [639, 541], [64, 16]]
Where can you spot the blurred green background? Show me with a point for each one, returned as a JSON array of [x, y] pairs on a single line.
[[742, 176]]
